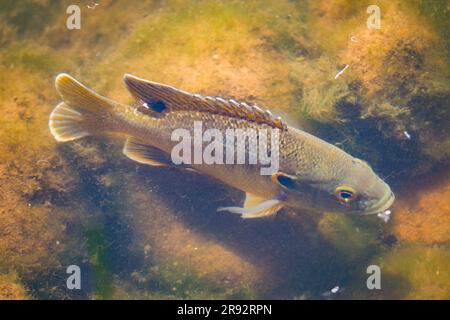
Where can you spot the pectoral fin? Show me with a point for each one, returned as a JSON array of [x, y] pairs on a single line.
[[143, 153], [252, 200], [255, 207]]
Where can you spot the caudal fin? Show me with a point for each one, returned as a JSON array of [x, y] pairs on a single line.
[[82, 112]]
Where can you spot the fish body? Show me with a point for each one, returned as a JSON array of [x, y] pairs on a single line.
[[311, 173]]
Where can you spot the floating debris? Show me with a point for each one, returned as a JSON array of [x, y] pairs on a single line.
[[341, 72], [43, 163], [407, 135], [385, 216], [93, 6], [332, 291], [354, 39]]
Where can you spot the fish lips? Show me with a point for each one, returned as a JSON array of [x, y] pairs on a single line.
[[384, 204]]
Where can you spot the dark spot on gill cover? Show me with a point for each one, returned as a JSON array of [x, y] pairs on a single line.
[[286, 181]]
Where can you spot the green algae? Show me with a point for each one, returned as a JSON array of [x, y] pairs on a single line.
[[223, 36], [29, 17], [99, 260], [355, 238], [393, 76], [178, 281], [425, 269], [32, 57], [437, 14], [11, 287], [356, 242]]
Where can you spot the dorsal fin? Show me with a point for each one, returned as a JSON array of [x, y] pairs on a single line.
[[164, 98]]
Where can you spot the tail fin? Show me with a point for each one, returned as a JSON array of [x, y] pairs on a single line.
[[83, 112]]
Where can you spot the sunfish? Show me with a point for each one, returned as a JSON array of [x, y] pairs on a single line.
[[311, 174]]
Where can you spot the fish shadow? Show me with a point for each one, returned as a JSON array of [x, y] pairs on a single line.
[[288, 245]]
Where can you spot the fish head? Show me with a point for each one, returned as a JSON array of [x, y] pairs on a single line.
[[353, 189]]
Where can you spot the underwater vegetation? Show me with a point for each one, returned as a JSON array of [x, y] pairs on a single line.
[[139, 232], [422, 215], [11, 288]]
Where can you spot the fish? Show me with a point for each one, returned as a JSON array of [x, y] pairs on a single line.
[[311, 175]]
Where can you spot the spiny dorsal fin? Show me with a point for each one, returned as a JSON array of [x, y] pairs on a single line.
[[163, 98]]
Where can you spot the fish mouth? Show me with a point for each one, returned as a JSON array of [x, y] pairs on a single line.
[[382, 205]]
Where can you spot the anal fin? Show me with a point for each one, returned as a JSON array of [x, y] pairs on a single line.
[[142, 152]]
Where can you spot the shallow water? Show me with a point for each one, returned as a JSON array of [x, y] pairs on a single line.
[[154, 233]]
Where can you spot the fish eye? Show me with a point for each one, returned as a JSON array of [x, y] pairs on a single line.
[[345, 194]]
